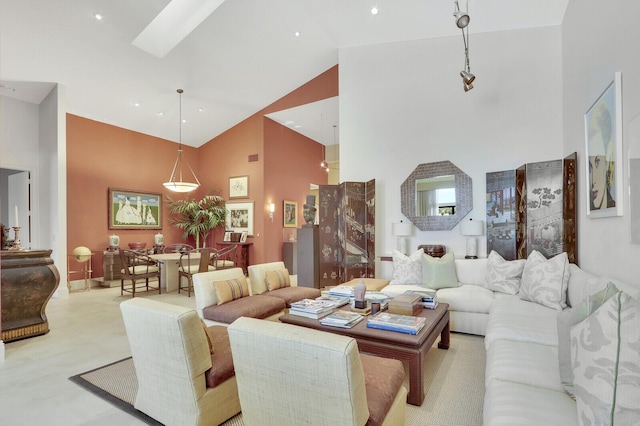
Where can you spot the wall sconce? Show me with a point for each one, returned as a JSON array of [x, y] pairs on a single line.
[[272, 208], [472, 228], [401, 231]]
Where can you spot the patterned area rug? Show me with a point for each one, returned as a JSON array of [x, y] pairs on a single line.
[[454, 380]]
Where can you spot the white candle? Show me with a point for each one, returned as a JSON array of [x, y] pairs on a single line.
[[17, 217]]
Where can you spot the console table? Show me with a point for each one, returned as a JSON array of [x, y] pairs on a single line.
[[29, 279], [242, 253]]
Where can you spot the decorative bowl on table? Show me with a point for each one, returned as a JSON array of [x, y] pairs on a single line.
[[137, 246]]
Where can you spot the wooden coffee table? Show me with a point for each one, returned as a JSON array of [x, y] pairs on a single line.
[[392, 344]]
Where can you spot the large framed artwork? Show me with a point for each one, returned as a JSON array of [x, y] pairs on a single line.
[[290, 209], [240, 217], [129, 209], [238, 187], [603, 139]]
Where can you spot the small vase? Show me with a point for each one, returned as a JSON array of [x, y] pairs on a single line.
[[158, 239]]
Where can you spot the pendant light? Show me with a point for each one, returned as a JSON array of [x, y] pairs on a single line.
[[175, 183]]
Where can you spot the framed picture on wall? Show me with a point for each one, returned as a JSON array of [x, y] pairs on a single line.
[[129, 209], [603, 139], [240, 217], [238, 187], [290, 210]]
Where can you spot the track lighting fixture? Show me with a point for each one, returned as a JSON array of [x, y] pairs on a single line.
[[462, 21]]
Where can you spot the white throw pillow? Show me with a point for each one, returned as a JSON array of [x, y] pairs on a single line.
[[504, 276], [606, 355], [545, 281], [567, 319], [407, 269], [439, 272]]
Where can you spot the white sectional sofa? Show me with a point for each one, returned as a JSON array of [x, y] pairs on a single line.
[[523, 384]]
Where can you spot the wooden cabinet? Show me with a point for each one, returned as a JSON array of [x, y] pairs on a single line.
[[29, 279]]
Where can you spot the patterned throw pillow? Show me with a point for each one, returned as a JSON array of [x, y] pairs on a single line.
[[407, 269], [545, 281], [606, 356], [439, 272], [567, 319], [229, 290], [277, 279], [504, 275]]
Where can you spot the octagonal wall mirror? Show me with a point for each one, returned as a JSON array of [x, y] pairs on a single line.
[[436, 196]]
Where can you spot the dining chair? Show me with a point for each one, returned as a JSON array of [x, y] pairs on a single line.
[[138, 267], [178, 248], [192, 262], [224, 258]]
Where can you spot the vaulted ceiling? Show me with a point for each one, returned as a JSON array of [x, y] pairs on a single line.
[[236, 58]]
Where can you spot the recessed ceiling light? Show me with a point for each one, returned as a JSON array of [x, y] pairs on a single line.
[[297, 33], [200, 109], [374, 10], [136, 104], [160, 113], [98, 16], [184, 120]]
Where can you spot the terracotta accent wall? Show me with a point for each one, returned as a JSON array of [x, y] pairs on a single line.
[[100, 156], [227, 155], [292, 162]]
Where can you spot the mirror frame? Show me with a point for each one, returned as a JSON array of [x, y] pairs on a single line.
[[464, 196]]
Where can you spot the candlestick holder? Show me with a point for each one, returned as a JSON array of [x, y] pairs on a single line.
[[16, 240]]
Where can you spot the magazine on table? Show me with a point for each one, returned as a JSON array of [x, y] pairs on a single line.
[[336, 300], [396, 322], [341, 318], [312, 315], [312, 306]]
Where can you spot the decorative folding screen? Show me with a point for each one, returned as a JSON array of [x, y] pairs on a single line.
[[347, 232]]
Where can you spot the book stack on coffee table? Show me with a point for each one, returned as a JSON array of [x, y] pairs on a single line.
[[341, 318], [395, 322], [310, 308]]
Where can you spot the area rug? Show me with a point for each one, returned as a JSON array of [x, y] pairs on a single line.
[[453, 380]]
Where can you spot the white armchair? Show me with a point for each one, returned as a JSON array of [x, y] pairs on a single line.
[[289, 375], [171, 356]]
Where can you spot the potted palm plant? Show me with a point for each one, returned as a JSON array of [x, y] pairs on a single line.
[[197, 218]]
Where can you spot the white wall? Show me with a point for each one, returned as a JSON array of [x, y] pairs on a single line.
[[402, 104], [598, 39], [33, 138]]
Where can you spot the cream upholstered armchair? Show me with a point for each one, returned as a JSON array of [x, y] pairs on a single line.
[[289, 375], [180, 381]]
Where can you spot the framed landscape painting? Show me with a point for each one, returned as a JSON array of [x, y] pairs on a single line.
[[130, 209], [603, 139], [240, 217]]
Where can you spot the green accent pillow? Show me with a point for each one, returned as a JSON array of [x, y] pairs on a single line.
[[439, 272]]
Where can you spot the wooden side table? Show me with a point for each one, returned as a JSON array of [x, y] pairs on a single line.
[[242, 253]]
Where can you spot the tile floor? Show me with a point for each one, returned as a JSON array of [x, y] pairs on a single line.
[[86, 332]]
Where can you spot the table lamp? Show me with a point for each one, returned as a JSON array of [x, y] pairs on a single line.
[[401, 231], [470, 229]]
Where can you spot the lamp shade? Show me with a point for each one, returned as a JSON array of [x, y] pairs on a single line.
[[472, 228], [401, 229]]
